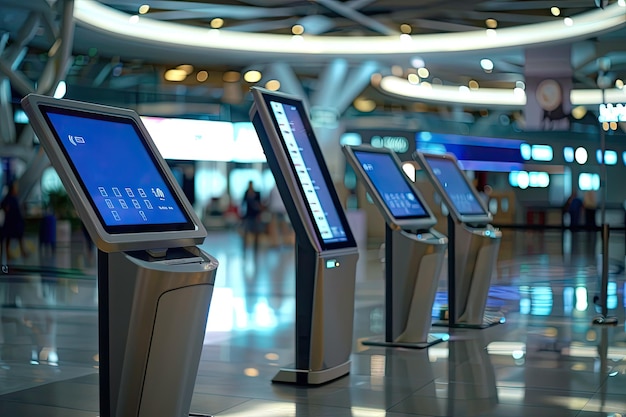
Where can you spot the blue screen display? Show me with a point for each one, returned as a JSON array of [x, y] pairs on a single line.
[[456, 186], [391, 184], [307, 169], [118, 173]]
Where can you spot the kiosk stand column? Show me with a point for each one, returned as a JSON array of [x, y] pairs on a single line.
[[474, 243], [472, 257], [413, 262], [152, 317], [326, 253], [324, 316]]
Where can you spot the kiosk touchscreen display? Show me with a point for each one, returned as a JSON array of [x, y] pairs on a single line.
[[299, 144], [455, 184], [123, 182], [391, 185]]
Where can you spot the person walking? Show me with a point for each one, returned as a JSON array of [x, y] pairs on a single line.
[[13, 221]]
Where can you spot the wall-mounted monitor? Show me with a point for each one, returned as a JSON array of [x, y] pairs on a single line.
[[301, 174], [120, 185], [396, 197], [459, 194]]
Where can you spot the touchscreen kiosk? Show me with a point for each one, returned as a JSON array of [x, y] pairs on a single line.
[[326, 251], [414, 251], [474, 243], [154, 283], [108, 162]]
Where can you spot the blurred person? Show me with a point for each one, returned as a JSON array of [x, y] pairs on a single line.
[[13, 221], [573, 207], [589, 204], [251, 215]]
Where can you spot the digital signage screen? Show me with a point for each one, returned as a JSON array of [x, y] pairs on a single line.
[[294, 137], [399, 201], [116, 171], [460, 195]]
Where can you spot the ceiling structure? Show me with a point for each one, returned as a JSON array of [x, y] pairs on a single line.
[[122, 65]]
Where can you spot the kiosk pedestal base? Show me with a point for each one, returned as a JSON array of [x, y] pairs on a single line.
[[413, 262], [153, 316], [432, 339], [472, 257], [308, 377], [324, 316], [490, 318]]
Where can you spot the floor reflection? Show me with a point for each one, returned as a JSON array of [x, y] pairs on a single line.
[[547, 359]]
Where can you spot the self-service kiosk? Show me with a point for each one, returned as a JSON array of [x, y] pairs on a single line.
[[473, 242], [326, 252], [414, 251], [154, 283]]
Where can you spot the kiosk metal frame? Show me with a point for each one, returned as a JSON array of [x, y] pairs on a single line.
[[474, 243], [326, 252], [414, 252], [154, 283]]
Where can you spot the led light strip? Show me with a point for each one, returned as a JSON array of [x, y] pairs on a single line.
[[91, 13]]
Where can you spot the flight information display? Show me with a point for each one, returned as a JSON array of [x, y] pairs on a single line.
[[391, 184], [125, 185], [324, 211], [456, 185]]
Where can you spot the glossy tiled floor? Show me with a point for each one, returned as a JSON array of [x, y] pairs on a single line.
[[546, 360]]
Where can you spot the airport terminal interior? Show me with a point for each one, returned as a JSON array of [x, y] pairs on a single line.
[[527, 98]]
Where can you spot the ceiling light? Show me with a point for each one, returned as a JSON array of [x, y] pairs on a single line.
[[217, 23], [491, 23], [364, 105], [94, 15], [520, 84], [579, 112], [202, 76], [417, 62], [252, 76], [272, 85], [175, 75], [144, 8], [406, 28], [555, 11], [473, 85], [423, 72], [486, 64], [186, 67], [297, 29], [413, 78], [619, 84], [61, 89]]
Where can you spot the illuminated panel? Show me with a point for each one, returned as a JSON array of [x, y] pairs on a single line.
[[473, 152]]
